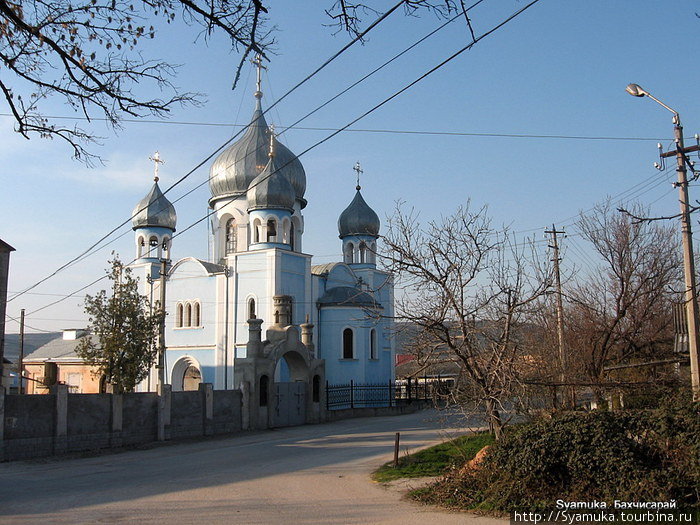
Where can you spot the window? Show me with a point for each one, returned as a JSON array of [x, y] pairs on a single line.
[[291, 236], [363, 252], [263, 391], [373, 344], [347, 344], [271, 230], [349, 248], [188, 315], [231, 236], [141, 244], [166, 247], [197, 315], [256, 230], [179, 311], [316, 389], [251, 308]]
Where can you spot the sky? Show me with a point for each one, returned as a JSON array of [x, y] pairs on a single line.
[[497, 127]]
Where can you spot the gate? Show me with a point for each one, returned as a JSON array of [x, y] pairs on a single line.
[[290, 404]]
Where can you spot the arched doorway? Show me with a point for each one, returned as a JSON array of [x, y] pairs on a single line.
[[291, 379], [186, 374]]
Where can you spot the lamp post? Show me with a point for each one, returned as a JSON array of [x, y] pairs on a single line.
[[686, 231]]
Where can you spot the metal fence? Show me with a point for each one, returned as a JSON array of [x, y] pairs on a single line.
[[359, 395]]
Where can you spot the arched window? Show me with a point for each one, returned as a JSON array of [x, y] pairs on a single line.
[[373, 344], [291, 235], [263, 391], [197, 315], [316, 389], [349, 249], [363, 252], [251, 308], [271, 230], [373, 253], [347, 344], [256, 230], [179, 310], [141, 244], [191, 378], [153, 247], [166, 247], [188, 315], [231, 237]]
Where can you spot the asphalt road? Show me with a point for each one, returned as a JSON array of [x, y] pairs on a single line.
[[301, 475]]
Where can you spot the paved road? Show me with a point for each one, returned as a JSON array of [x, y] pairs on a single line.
[[301, 475]]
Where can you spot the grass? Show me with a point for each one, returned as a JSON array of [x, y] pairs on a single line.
[[434, 461]]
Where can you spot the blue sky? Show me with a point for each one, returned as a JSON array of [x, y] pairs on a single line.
[[558, 69]]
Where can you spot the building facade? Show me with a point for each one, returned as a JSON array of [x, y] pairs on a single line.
[[259, 314]]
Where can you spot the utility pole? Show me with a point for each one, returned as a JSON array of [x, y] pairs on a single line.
[[691, 302], [161, 330], [20, 364], [563, 361]]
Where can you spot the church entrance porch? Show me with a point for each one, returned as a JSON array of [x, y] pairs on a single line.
[[290, 404]]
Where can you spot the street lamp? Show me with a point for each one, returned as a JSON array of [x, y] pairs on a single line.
[[687, 236]]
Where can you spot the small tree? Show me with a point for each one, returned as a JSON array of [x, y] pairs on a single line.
[[121, 346]]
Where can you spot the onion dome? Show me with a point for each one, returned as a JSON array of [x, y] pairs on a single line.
[[236, 167], [358, 218], [271, 189], [154, 210]]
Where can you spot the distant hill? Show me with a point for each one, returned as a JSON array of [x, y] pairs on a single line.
[[31, 343]]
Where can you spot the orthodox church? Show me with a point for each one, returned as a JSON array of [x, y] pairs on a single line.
[[258, 314]]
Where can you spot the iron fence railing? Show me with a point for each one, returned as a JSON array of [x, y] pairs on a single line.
[[360, 395]]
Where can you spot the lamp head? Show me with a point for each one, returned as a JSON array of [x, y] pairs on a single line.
[[636, 90]]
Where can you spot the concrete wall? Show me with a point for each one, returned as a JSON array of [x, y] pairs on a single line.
[[60, 422]]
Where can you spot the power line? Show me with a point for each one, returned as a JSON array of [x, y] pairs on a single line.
[[200, 164], [330, 136]]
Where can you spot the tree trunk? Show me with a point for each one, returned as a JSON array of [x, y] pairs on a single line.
[[494, 419]]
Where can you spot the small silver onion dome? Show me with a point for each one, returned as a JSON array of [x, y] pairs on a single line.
[[358, 218], [271, 189], [236, 167], [154, 210]]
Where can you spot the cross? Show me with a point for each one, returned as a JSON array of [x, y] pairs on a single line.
[[358, 170], [258, 64], [156, 160], [272, 141]]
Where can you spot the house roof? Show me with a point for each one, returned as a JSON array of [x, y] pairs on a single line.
[[56, 350]]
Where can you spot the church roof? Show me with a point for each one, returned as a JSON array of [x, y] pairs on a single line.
[[358, 218], [235, 168], [324, 269], [271, 189], [154, 210], [347, 296]]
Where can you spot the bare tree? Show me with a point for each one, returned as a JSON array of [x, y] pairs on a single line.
[[624, 310], [88, 53], [467, 287]]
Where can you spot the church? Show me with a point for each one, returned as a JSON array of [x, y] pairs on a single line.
[[259, 316]]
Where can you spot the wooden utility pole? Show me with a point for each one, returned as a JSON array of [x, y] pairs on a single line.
[[20, 364], [563, 361], [161, 330]]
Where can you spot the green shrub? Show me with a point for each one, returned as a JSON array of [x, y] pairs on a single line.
[[640, 455]]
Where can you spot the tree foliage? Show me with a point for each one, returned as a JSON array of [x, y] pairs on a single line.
[[121, 346], [89, 53]]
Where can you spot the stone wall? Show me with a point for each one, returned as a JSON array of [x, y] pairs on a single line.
[[56, 423]]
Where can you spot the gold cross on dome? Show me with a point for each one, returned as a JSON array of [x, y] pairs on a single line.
[[156, 160], [257, 61], [358, 171]]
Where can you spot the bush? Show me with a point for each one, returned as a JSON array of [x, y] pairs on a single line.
[[640, 455]]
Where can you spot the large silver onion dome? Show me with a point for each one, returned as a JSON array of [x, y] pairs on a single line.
[[236, 167], [358, 218], [271, 189], [154, 210]]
